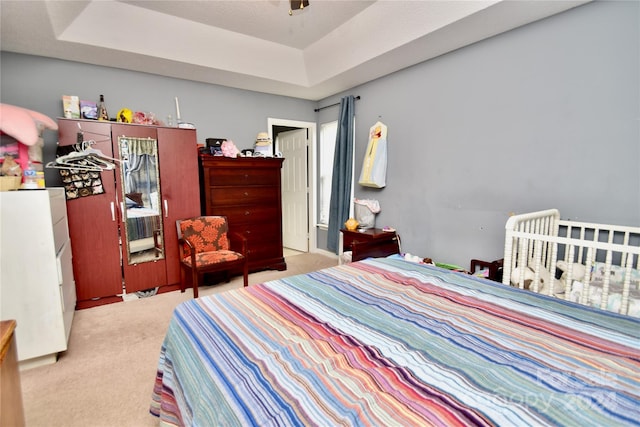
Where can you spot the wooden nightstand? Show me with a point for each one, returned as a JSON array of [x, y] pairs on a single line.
[[368, 243]]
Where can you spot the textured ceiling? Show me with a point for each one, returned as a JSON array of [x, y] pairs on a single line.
[[326, 48]]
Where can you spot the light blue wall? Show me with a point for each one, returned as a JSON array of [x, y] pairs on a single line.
[[547, 115], [218, 112]]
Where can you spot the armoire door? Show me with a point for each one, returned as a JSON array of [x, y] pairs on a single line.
[[150, 273], [93, 220], [178, 149]]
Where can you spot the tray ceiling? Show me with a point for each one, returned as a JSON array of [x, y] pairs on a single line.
[[319, 51]]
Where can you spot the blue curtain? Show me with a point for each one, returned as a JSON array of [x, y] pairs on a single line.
[[340, 203]]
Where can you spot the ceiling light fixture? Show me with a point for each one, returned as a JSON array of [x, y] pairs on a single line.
[[297, 5]]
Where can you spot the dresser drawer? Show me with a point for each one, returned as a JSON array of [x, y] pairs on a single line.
[[259, 233], [58, 204], [261, 254], [243, 196], [60, 233], [234, 177], [249, 214], [59, 217]]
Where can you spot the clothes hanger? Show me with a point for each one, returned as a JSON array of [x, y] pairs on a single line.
[[85, 159], [81, 162], [87, 167], [88, 150]]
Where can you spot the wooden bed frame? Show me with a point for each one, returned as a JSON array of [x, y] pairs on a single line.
[[540, 240]]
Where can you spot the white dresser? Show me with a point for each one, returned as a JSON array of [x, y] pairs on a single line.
[[36, 274]]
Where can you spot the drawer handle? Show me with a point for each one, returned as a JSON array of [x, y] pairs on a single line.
[[247, 213], [246, 193]]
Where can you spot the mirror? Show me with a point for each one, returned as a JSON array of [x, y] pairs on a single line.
[[140, 207]]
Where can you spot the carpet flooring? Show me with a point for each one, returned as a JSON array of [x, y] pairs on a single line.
[[106, 376]]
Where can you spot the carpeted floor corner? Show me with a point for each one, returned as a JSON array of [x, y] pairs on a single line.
[[106, 376]]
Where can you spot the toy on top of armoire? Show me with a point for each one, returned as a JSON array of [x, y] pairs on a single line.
[[21, 144]]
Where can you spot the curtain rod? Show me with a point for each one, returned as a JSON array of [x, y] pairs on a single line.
[[333, 105]]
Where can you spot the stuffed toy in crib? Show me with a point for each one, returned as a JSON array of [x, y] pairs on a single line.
[[529, 275], [578, 272], [596, 275]]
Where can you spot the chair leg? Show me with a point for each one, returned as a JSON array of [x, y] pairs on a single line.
[[182, 279], [245, 273], [194, 282]]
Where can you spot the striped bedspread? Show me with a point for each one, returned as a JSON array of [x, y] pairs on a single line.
[[385, 342]]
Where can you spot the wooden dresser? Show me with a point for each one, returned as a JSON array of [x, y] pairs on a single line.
[[247, 191], [11, 408]]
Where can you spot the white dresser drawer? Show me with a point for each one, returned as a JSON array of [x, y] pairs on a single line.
[[59, 217], [67, 286], [58, 204], [60, 234]]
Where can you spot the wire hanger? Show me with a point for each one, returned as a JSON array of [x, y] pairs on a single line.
[[84, 158], [89, 151]]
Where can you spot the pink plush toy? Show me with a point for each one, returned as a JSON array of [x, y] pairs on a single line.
[[229, 149], [22, 124]]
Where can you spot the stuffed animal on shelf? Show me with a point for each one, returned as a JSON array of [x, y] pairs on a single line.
[[10, 167], [229, 149]]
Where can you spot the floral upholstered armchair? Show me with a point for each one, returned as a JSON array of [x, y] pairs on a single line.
[[205, 247]]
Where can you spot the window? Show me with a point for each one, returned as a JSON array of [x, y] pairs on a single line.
[[326, 150]]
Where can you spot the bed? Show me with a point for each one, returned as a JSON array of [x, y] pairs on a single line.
[[592, 264], [388, 342]]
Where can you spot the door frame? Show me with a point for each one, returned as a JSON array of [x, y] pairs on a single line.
[[311, 171]]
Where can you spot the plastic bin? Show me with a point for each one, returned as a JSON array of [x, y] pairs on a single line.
[[364, 215]]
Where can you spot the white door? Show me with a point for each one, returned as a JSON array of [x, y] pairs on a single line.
[[293, 146]]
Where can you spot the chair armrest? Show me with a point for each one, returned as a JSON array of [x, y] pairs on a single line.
[[238, 242], [181, 242]]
